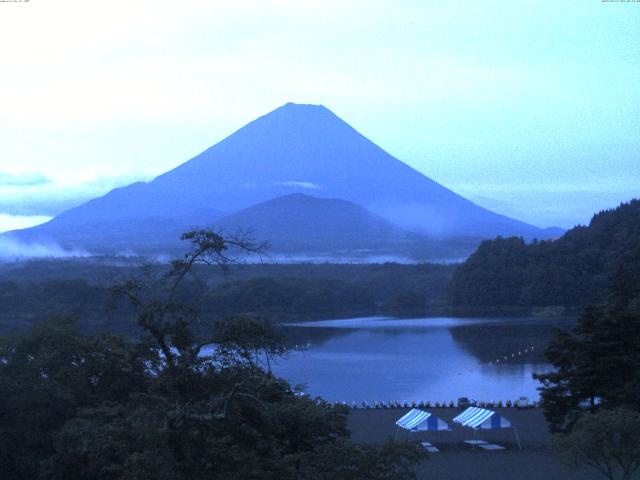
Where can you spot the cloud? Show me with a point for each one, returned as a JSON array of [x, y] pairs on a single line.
[[14, 250], [293, 183], [49, 199], [287, 183], [23, 179], [15, 222]]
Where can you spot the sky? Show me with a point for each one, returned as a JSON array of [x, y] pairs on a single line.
[[530, 108]]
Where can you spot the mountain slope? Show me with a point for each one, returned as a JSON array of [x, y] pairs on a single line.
[[295, 148]]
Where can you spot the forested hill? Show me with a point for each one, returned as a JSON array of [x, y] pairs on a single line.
[[507, 275], [31, 292]]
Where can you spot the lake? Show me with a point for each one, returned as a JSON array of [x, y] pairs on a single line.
[[435, 359]]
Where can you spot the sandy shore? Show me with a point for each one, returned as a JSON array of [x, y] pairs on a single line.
[[536, 460]]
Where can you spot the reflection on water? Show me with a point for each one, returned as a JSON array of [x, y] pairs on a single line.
[[436, 359]]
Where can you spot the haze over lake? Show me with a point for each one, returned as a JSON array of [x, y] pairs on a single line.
[[435, 359]]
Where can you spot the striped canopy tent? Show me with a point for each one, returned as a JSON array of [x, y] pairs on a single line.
[[483, 419], [419, 420]]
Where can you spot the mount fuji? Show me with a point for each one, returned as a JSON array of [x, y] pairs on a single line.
[[294, 149]]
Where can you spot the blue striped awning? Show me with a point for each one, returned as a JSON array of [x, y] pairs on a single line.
[[420, 420], [476, 417]]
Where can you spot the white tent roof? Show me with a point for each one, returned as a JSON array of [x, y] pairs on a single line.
[[476, 417], [420, 420]]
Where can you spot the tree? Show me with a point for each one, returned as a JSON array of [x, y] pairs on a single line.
[[172, 323], [362, 462], [607, 441], [249, 339], [597, 361], [162, 406], [48, 376]]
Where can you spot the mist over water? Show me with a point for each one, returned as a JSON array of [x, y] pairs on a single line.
[[340, 259]]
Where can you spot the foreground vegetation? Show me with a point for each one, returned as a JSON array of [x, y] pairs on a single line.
[[592, 399], [160, 406]]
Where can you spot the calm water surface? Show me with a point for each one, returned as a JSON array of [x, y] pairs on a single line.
[[435, 359]]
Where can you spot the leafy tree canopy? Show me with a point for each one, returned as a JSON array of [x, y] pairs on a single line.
[[597, 362], [607, 441]]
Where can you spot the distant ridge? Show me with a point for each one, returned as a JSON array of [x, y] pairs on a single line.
[[293, 149], [300, 227], [302, 221]]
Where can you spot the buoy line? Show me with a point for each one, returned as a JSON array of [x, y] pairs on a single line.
[[517, 354]]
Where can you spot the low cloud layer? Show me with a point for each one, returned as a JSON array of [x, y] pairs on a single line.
[[23, 180], [11, 250], [22, 196], [293, 183]]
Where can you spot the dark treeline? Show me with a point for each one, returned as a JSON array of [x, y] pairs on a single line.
[[507, 275], [36, 290]]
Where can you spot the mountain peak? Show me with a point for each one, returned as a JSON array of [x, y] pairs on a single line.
[[295, 104], [302, 106], [305, 112]]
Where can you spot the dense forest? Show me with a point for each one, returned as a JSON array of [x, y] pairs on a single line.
[[507, 275], [36, 290]]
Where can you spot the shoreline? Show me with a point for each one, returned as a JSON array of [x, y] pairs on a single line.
[[431, 315]]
